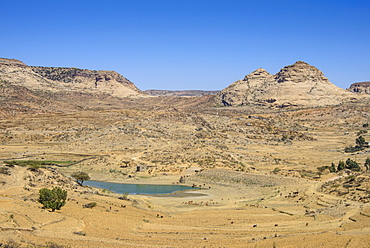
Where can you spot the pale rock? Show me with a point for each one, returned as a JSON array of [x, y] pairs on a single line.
[[299, 84]]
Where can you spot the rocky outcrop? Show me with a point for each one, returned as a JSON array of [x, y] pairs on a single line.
[[360, 87], [53, 79], [354, 187], [299, 84], [107, 82]]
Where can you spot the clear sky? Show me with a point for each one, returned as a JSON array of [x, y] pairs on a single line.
[[190, 44]]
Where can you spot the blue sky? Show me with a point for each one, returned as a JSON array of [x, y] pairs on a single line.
[[190, 44]]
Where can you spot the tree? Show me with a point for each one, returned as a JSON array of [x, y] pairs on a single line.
[[341, 165], [367, 164], [360, 141], [332, 168], [80, 177], [52, 198], [352, 165]]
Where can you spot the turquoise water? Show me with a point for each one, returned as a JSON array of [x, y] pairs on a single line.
[[123, 188]]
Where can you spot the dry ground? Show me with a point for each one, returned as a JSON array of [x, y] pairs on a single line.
[[238, 148]]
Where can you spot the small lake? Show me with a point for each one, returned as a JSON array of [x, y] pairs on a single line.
[[123, 188]]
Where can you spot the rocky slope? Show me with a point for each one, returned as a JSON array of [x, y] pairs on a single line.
[[299, 84], [361, 87]]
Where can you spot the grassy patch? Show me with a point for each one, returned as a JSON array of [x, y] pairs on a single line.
[[35, 163]]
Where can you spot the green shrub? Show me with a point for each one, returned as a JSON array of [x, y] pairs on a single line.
[[360, 141], [341, 166], [367, 164], [332, 168], [352, 165], [353, 149], [52, 198]]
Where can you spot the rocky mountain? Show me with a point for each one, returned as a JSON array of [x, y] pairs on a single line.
[[180, 92], [299, 84], [360, 87]]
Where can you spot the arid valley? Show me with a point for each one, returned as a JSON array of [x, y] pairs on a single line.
[[263, 155]]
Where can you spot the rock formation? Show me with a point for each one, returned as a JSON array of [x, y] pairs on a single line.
[[361, 87], [299, 84], [108, 82], [54, 79]]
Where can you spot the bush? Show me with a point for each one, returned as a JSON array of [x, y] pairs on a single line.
[[352, 165], [276, 170], [353, 149], [341, 166], [367, 164], [80, 177], [52, 198], [332, 168], [360, 141]]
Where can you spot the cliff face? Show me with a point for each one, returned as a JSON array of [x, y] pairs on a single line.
[[361, 87], [299, 84]]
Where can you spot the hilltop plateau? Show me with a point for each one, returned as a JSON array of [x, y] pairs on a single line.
[[264, 174]]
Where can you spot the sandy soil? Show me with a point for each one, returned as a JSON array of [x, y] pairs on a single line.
[[233, 215], [241, 203]]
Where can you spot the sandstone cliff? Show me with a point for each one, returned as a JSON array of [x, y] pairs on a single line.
[[361, 87], [299, 84]]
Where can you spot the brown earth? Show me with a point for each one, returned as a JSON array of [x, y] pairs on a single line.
[[238, 150], [257, 168]]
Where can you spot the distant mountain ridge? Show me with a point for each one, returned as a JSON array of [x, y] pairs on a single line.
[[180, 93], [33, 89], [299, 84]]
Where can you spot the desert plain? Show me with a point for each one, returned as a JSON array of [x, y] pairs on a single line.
[[262, 173]]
